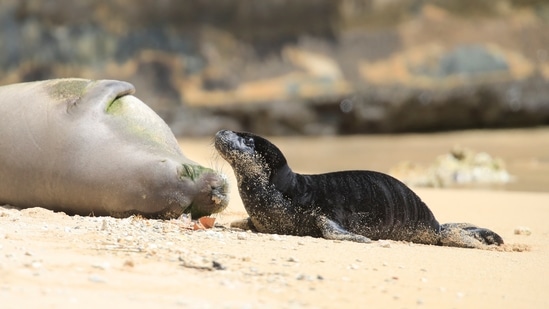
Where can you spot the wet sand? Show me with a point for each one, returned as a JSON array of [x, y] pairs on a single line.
[[51, 260]]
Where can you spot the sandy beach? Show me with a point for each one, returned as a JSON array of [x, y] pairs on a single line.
[[51, 260]]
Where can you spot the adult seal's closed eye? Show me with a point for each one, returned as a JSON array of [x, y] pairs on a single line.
[[349, 205], [90, 147]]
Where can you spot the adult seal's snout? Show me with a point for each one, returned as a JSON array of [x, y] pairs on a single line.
[[348, 205], [91, 147]]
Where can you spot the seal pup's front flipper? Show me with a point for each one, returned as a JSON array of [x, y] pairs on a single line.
[[332, 230], [467, 235], [244, 224]]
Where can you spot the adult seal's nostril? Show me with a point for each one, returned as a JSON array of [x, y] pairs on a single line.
[[91, 147], [348, 205]]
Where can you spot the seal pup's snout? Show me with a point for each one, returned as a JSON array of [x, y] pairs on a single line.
[[224, 143], [223, 135], [220, 139], [226, 140]]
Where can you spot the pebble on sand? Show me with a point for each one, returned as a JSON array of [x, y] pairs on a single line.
[[523, 230]]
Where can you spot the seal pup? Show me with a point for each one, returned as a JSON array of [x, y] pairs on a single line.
[[349, 205], [90, 147]]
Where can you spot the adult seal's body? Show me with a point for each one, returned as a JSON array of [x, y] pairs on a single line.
[[90, 147], [349, 205]]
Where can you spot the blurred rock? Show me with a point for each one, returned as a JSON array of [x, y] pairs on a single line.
[[459, 167], [297, 67]]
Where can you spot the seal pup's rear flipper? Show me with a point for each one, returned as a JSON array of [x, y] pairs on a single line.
[[466, 235], [332, 230]]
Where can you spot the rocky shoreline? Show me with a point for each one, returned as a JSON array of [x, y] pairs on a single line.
[[332, 67]]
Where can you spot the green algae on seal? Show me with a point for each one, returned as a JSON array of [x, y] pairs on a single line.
[[90, 147]]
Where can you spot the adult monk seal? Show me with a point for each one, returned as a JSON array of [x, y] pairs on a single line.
[[348, 205], [90, 147]]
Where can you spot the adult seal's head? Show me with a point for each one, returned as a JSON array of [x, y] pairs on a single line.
[[91, 147], [346, 205]]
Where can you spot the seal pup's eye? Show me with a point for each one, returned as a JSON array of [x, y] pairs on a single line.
[[249, 141]]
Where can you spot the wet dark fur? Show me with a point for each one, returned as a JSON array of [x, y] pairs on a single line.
[[348, 205]]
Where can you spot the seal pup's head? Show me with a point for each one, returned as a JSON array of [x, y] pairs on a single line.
[[249, 155]]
